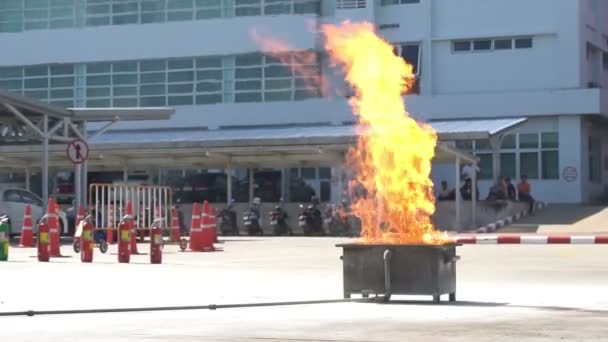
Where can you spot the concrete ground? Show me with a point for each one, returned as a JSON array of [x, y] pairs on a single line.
[[505, 293], [563, 219]]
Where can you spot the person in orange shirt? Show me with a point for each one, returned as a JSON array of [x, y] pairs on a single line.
[[525, 190]]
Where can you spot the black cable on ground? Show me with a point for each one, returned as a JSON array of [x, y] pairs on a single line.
[[176, 308]]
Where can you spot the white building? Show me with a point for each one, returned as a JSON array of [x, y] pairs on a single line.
[[543, 60]]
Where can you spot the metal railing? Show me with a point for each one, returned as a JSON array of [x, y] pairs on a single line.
[[108, 202]]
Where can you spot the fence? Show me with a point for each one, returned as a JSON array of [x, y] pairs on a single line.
[[107, 203]]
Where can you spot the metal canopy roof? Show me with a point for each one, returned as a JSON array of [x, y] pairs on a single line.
[[122, 114], [474, 129], [259, 147]]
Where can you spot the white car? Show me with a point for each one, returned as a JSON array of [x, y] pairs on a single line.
[[12, 204]]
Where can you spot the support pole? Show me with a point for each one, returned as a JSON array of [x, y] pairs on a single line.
[[45, 162], [28, 175], [474, 198], [283, 184], [228, 184], [78, 185], [457, 193], [251, 180], [340, 175], [85, 171], [125, 174]]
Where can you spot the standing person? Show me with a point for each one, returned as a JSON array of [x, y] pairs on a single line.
[[525, 191], [511, 194], [469, 171]]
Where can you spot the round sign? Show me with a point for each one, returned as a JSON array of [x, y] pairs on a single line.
[[569, 173], [77, 151]]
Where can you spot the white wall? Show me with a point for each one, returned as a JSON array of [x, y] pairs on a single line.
[[180, 39]]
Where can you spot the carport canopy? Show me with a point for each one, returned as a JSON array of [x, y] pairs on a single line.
[[32, 123]]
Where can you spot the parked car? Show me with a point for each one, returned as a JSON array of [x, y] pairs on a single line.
[[13, 202]]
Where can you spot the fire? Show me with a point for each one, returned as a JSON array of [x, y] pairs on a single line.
[[392, 159], [392, 189]]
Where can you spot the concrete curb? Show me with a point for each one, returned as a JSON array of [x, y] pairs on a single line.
[[492, 227]]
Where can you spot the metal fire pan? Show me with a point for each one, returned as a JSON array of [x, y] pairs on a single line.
[[387, 269]]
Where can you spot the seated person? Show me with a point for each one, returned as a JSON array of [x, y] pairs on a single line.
[[511, 194], [498, 191], [445, 194], [466, 191], [525, 195]]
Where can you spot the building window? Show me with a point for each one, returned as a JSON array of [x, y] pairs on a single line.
[[350, 4], [523, 43], [533, 154], [20, 15], [411, 53], [595, 159], [172, 82], [482, 45], [398, 2], [461, 46], [503, 44], [497, 44]]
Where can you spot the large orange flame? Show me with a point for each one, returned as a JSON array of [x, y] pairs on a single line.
[[392, 190], [392, 158]]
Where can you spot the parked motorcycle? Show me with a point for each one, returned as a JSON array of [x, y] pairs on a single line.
[[251, 219], [226, 220], [337, 220], [310, 220], [278, 222]]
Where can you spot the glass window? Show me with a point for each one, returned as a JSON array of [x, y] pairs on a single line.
[[549, 140], [308, 173], [503, 44], [508, 167], [528, 140], [411, 54], [307, 7], [209, 99], [30, 198], [528, 164], [523, 43], [466, 145], [461, 46], [479, 45], [486, 166], [482, 144], [508, 141], [248, 97], [550, 164], [324, 173], [278, 96], [12, 196]]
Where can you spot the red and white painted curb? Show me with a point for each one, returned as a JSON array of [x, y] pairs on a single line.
[[532, 239], [492, 227]]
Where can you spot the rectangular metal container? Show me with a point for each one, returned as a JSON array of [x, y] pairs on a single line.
[[383, 270]]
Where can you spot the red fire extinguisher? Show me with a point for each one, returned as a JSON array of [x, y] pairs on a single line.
[[86, 241], [124, 241], [44, 249], [156, 244]]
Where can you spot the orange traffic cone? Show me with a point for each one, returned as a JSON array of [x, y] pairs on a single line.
[[53, 222], [79, 218], [195, 228], [27, 235], [206, 238], [175, 233], [213, 224], [129, 213]]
